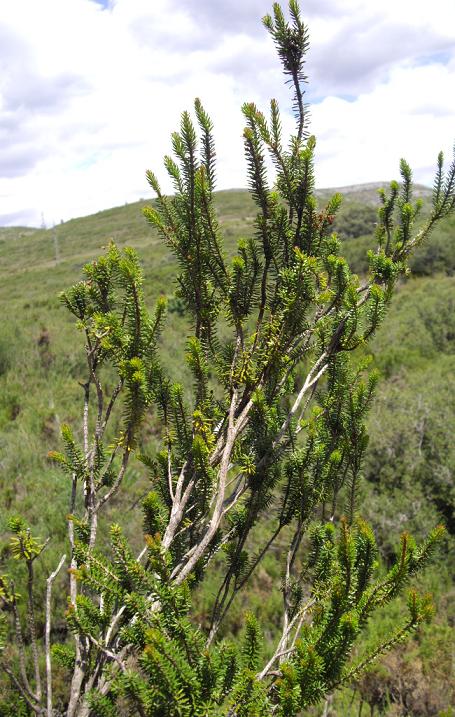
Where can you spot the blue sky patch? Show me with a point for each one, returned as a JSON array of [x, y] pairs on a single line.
[[436, 58]]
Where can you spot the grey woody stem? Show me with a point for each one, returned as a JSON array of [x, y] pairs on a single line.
[[47, 636]]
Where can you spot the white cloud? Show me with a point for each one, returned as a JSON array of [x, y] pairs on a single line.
[[355, 52], [89, 96], [411, 115]]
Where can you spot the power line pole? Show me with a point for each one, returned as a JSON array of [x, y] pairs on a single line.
[[56, 245]]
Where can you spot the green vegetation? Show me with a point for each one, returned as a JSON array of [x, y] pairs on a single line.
[[406, 483], [411, 424]]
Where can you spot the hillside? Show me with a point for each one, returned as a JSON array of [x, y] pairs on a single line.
[[368, 193], [411, 460]]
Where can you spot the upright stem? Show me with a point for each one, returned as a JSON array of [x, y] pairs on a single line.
[[79, 662], [47, 639], [232, 432]]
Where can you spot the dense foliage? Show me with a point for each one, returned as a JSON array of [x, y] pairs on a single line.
[[268, 444]]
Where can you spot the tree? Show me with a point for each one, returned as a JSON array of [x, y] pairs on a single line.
[[272, 434]]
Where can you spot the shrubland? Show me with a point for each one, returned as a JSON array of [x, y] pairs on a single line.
[[412, 351], [301, 502]]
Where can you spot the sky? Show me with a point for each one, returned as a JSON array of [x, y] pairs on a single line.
[[90, 91]]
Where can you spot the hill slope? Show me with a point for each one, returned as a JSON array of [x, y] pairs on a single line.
[[411, 459]]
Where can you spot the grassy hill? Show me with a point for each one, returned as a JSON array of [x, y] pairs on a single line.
[[367, 194], [411, 461]]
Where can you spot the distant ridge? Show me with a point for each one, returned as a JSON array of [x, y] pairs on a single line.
[[366, 193]]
